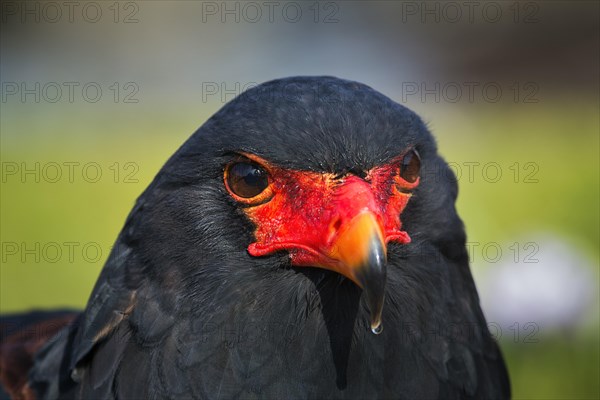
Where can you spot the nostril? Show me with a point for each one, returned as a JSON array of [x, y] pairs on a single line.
[[334, 227], [336, 224]]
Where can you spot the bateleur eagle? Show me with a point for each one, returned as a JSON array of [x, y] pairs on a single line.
[[302, 244]]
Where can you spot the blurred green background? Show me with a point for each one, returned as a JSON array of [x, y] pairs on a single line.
[[165, 59]]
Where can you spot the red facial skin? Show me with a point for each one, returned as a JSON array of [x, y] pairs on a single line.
[[305, 212]]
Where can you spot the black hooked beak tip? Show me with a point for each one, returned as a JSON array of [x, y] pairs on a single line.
[[372, 277]]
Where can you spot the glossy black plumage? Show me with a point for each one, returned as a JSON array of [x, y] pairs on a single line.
[[181, 310]]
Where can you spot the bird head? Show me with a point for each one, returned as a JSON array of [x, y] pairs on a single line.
[[295, 174]]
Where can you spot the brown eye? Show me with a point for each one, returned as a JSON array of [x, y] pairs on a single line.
[[246, 179], [410, 167]]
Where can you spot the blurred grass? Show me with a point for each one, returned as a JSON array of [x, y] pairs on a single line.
[[563, 142], [554, 368], [79, 212]]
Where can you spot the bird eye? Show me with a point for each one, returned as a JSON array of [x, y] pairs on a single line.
[[410, 167], [246, 179]]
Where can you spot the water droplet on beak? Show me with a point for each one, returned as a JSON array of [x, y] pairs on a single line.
[[377, 329]]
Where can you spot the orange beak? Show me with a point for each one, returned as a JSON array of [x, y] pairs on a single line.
[[359, 253]]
